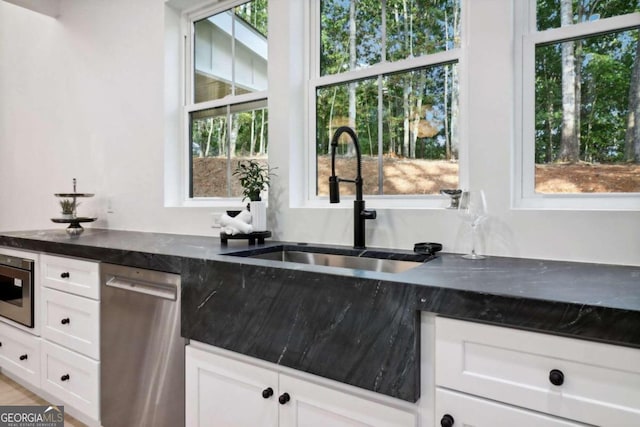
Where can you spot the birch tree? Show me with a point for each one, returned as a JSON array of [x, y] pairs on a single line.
[[632, 137], [569, 143]]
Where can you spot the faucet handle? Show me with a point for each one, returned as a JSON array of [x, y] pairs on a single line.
[[369, 214], [334, 189]]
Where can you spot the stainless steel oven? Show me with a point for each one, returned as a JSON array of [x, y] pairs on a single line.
[[16, 289]]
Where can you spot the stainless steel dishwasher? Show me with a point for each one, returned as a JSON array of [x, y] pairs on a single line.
[[141, 351]]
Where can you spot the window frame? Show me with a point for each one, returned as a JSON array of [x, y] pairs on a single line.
[[527, 37], [315, 80], [189, 18]]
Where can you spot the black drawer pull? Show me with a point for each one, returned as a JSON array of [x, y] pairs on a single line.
[[447, 421], [267, 392], [65, 321], [284, 398], [65, 377], [24, 357], [64, 275], [556, 377]]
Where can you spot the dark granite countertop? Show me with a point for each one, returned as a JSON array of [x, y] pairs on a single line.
[[292, 314], [594, 285]]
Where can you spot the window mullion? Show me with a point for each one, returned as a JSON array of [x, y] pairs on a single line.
[[233, 53], [229, 130], [585, 29], [238, 99], [440, 58], [380, 135]]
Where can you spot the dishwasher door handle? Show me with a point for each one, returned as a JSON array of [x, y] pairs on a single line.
[[154, 289]]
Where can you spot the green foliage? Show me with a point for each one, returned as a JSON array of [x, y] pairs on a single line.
[[210, 133], [605, 63], [417, 104], [254, 177], [68, 206], [254, 13]]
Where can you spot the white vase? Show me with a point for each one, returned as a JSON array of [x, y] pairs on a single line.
[[258, 215]]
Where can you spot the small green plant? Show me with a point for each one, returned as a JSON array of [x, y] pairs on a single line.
[[68, 206], [254, 177]]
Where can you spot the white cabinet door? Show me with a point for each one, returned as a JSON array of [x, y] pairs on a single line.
[[464, 410], [20, 354], [313, 405], [220, 391]]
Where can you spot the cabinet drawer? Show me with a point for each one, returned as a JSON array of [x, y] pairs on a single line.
[[71, 321], [72, 378], [470, 411], [70, 275], [596, 383], [20, 354]]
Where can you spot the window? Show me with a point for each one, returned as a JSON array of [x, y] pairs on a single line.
[[389, 69], [581, 100], [226, 114]]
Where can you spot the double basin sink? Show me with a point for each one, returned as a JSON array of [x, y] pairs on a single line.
[[370, 260]]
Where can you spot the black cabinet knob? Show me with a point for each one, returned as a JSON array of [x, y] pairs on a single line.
[[65, 377], [64, 275], [0, 344], [65, 321], [556, 377], [267, 392], [284, 398], [447, 421], [24, 357]]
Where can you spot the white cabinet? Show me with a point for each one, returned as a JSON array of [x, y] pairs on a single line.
[[71, 321], [224, 391], [71, 377], [578, 380], [313, 405], [20, 354], [70, 358], [70, 275]]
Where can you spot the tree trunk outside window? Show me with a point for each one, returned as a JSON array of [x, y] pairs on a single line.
[[632, 137], [569, 143]]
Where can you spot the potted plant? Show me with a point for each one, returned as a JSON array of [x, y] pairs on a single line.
[[68, 207], [254, 177]]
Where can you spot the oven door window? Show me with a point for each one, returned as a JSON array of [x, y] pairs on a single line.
[[16, 302], [11, 290]]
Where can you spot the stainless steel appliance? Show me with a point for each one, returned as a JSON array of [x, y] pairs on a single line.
[[141, 351], [16, 289]]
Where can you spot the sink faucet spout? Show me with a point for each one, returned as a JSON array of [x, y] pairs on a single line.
[[360, 214]]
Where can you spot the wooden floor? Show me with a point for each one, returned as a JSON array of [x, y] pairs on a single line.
[[12, 393]]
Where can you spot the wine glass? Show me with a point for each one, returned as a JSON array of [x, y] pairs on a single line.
[[473, 210]]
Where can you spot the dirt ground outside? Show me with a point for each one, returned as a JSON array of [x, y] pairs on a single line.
[[416, 176]]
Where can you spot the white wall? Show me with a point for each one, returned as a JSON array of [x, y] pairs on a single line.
[[82, 96]]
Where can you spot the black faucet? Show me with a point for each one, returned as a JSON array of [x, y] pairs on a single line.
[[360, 214]]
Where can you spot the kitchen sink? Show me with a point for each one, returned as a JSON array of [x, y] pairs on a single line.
[[370, 260]]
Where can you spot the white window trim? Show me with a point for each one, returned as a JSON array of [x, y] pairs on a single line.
[[314, 80], [189, 16], [523, 180]]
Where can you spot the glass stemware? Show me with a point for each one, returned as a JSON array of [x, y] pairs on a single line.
[[473, 210]]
